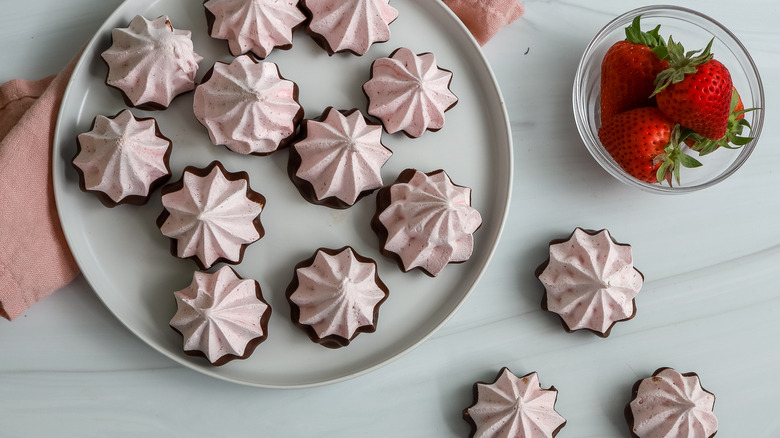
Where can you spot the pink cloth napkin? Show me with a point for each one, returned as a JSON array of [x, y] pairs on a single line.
[[485, 18], [34, 257]]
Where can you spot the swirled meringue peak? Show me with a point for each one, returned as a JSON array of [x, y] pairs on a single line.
[[590, 281], [211, 215], [221, 316], [425, 221], [335, 295], [337, 158], [247, 106], [349, 25], [514, 407], [122, 159], [671, 405], [409, 92], [256, 26], [151, 62]]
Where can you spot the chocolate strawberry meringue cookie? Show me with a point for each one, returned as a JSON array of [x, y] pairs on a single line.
[[150, 62], [590, 281]]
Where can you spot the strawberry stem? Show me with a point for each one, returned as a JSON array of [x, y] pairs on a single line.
[[650, 39], [680, 63], [673, 157]]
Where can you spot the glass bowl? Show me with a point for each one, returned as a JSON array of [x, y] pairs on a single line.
[[694, 30]]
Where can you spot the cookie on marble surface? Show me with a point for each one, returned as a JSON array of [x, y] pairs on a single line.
[[513, 407], [669, 404], [590, 281]]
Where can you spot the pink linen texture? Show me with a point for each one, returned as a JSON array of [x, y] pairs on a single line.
[[34, 257], [484, 18]]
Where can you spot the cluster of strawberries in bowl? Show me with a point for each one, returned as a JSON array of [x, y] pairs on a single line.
[[657, 97], [653, 114]]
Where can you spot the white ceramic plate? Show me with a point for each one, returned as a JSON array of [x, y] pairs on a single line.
[[126, 259]]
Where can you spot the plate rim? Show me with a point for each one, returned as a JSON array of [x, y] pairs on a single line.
[[58, 168]]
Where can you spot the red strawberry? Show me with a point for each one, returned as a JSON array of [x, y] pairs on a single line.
[[695, 91], [646, 144], [628, 71], [739, 108], [733, 138]]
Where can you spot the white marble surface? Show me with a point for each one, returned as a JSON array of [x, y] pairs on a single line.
[[709, 304]]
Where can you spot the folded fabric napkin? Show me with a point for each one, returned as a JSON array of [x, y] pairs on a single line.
[[485, 18], [34, 256]]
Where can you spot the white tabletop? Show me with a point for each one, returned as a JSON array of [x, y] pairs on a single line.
[[709, 304]]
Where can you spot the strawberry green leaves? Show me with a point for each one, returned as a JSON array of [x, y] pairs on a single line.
[[674, 158], [634, 34], [681, 63]]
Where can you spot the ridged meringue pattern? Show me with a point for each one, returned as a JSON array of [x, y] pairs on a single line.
[[151, 62], [590, 281], [514, 407], [211, 215], [335, 295], [409, 92], [338, 157], [122, 159], [671, 405], [247, 106], [426, 221], [256, 26], [349, 25], [221, 316]]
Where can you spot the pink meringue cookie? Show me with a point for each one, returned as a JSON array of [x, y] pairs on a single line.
[[409, 92], [151, 62], [590, 281], [247, 106], [221, 316], [335, 295], [211, 215], [425, 221], [671, 405], [514, 407], [338, 158], [349, 25], [256, 26], [122, 159]]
